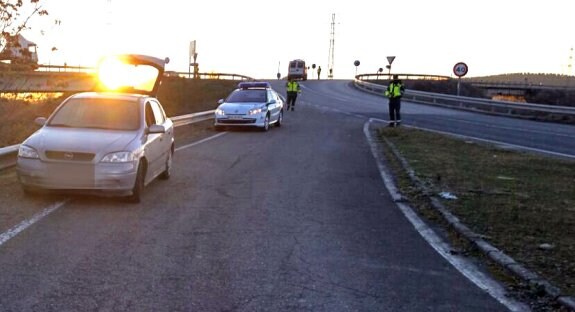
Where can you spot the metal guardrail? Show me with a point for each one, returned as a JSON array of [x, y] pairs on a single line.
[[8, 154], [382, 76], [511, 109], [183, 120]]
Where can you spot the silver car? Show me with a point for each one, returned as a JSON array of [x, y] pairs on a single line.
[[110, 142], [252, 104]]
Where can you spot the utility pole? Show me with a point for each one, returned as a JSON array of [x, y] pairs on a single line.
[[108, 29], [109, 16], [331, 48], [570, 64]]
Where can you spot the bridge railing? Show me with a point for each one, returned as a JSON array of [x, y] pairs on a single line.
[[213, 76], [65, 69], [85, 69], [80, 79], [511, 109]]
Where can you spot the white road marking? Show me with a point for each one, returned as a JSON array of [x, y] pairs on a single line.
[[201, 141], [468, 269], [4, 237]]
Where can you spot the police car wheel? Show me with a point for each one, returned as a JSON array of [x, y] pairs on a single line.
[[280, 119], [266, 126]]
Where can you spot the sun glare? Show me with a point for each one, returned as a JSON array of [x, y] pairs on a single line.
[[114, 75], [110, 74]]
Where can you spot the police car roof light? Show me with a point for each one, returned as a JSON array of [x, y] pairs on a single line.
[[253, 84]]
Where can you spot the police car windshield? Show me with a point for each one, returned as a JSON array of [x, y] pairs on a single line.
[[248, 96]]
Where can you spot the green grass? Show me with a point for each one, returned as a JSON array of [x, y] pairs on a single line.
[[518, 201]]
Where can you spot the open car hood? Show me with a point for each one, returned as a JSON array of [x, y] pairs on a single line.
[[130, 73]]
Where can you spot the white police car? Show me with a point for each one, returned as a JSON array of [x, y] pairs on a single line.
[[252, 104]]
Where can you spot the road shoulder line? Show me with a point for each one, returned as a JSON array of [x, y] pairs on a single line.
[[6, 236]]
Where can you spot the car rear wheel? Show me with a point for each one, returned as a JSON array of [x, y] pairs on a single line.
[[136, 196], [168, 172]]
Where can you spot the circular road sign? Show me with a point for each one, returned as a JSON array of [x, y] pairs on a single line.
[[460, 69]]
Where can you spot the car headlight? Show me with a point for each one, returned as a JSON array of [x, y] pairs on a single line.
[[220, 112], [25, 151], [119, 157], [256, 111]]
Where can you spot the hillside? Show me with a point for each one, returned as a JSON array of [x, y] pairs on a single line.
[[527, 78]]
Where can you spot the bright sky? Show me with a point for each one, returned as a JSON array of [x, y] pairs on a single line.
[[254, 37]]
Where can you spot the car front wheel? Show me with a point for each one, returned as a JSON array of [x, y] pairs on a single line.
[[280, 119], [136, 196], [168, 172], [266, 123]]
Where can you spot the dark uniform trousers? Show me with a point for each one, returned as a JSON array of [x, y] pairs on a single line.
[[291, 97], [394, 107]]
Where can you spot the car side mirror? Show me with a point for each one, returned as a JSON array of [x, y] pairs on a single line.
[[220, 101], [157, 129], [40, 121]]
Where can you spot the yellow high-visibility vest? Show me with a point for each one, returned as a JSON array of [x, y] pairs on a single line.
[[393, 90], [292, 86]]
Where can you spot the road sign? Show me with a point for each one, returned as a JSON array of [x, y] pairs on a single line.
[[460, 69], [390, 59]]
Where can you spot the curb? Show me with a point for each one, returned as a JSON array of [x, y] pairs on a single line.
[[486, 248]]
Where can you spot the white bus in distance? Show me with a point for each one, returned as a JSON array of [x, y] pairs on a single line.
[[297, 70]]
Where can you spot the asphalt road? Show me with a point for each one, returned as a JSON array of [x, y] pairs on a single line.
[[295, 219]]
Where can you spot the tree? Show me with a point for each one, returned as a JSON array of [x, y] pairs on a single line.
[[15, 16]]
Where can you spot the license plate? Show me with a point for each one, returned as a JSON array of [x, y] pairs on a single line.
[[235, 117]]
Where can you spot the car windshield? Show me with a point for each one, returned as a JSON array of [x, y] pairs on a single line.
[[248, 96], [109, 114]]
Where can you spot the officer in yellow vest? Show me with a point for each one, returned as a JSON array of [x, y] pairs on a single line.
[[394, 92], [293, 89]]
